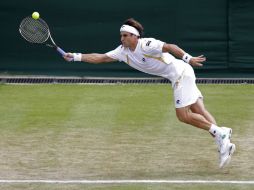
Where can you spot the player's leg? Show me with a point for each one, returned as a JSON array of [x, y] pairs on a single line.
[[187, 116], [190, 110], [199, 108], [186, 93], [222, 136], [189, 107]]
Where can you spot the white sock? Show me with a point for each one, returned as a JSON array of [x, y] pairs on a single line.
[[215, 130]]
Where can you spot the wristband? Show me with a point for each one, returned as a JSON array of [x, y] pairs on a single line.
[[77, 56], [186, 57]]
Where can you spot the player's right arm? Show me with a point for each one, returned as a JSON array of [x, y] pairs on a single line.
[[94, 58], [111, 56]]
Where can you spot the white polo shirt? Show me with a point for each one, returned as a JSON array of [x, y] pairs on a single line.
[[149, 58]]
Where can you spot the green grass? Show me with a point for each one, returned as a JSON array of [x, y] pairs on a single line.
[[119, 132]]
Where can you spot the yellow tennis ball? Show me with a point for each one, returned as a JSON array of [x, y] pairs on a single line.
[[35, 15]]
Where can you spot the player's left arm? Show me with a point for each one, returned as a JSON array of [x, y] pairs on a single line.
[[179, 53]]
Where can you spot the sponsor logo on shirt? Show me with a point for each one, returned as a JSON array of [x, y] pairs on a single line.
[[148, 43]]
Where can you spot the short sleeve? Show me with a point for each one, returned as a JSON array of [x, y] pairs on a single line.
[[116, 54], [152, 46]]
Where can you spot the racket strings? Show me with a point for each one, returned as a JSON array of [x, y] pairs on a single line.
[[34, 31]]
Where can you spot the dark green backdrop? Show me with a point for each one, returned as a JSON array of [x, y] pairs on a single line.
[[223, 30]]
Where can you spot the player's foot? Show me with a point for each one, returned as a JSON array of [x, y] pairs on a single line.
[[229, 130], [223, 139], [225, 157]]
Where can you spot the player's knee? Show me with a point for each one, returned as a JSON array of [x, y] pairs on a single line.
[[183, 117]]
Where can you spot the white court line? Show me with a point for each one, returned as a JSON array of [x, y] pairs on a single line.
[[127, 181]]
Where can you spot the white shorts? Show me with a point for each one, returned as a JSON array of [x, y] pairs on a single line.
[[185, 89]]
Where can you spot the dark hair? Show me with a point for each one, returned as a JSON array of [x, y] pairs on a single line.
[[132, 22]]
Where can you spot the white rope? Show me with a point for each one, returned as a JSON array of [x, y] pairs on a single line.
[[127, 181]]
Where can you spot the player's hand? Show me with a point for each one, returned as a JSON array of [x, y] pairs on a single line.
[[68, 57], [197, 61]]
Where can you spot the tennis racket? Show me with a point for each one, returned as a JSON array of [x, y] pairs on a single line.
[[37, 32]]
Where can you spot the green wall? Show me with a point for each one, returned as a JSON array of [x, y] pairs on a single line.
[[241, 34], [220, 29]]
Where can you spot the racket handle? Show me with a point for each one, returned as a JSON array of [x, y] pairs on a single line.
[[62, 52]]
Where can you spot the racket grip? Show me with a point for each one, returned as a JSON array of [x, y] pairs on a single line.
[[62, 52]]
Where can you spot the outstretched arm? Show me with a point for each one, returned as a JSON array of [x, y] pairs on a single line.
[[89, 58], [179, 53]]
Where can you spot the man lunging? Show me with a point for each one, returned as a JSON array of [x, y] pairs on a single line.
[[158, 58]]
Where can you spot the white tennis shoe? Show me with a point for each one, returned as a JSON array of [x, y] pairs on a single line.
[[223, 139], [228, 130], [226, 148], [225, 157]]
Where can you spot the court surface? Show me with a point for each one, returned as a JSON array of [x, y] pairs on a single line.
[[119, 132]]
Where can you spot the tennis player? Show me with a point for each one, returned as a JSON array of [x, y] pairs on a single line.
[[158, 58]]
